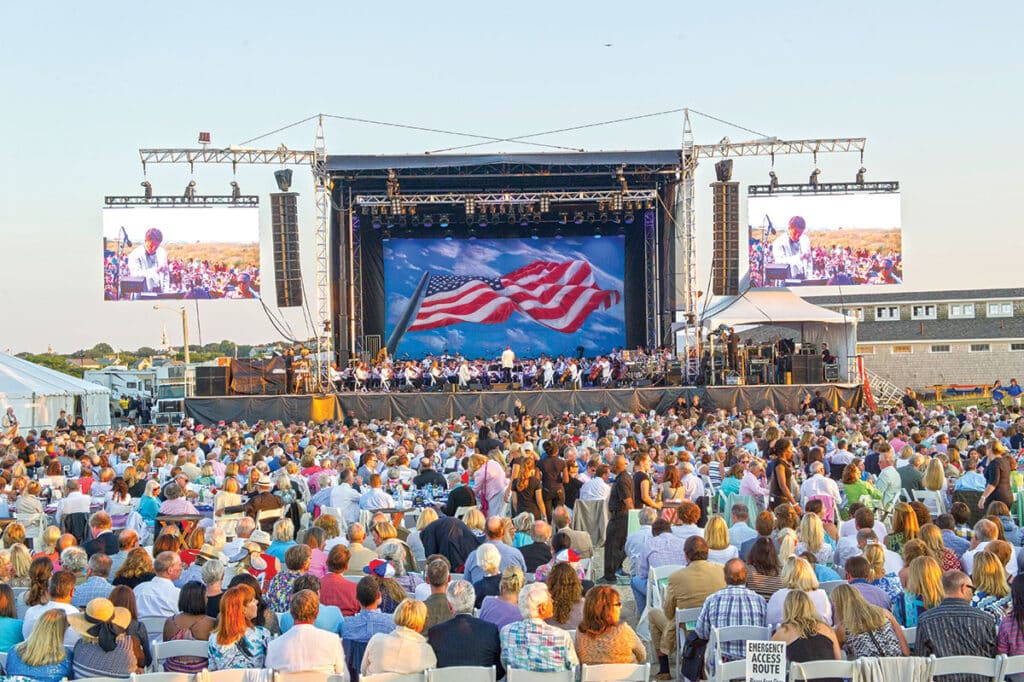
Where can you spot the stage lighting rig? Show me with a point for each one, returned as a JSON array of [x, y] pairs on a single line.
[[190, 190], [578, 218], [470, 205], [147, 190], [773, 180], [236, 191], [813, 180], [428, 220], [283, 178], [443, 222], [723, 170], [860, 175], [545, 204], [629, 218]]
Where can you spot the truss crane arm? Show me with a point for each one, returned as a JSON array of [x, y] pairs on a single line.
[[773, 146], [281, 156]]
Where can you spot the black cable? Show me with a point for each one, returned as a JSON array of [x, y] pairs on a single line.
[[277, 130]]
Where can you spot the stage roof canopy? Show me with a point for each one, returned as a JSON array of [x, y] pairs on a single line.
[[369, 162]]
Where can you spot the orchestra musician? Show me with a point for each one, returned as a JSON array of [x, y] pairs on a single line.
[[575, 375], [548, 369], [732, 344], [464, 375], [149, 261], [508, 362], [385, 377], [362, 374]]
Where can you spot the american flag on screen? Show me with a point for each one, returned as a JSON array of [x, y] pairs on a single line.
[[559, 296]]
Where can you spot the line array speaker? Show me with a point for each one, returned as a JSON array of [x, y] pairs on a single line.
[[284, 220], [725, 258], [212, 381]]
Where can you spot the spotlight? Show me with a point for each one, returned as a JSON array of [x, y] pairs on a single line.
[[535, 233], [535, 217], [415, 221], [578, 218], [190, 190], [621, 229], [444, 221], [428, 220], [236, 191], [482, 221], [471, 233], [723, 170], [385, 236], [204, 138], [402, 222], [591, 217], [147, 189], [563, 218], [366, 210], [629, 218], [860, 175], [545, 204], [524, 220], [603, 217], [448, 236], [617, 217], [597, 232], [283, 178], [813, 180], [773, 180], [558, 233], [376, 220]]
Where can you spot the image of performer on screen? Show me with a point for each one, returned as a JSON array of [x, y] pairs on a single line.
[[150, 261], [794, 249]]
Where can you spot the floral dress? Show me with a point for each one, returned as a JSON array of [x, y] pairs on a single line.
[[248, 652], [989, 603]]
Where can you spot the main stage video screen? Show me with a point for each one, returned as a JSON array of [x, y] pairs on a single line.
[[475, 297], [152, 253], [825, 239]]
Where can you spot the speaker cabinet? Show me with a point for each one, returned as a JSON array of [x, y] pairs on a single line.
[[284, 220]]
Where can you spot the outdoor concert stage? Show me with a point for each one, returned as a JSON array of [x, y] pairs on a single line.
[[444, 406]]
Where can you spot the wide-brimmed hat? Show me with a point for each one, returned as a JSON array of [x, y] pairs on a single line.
[[99, 612], [261, 537], [264, 481], [208, 552]]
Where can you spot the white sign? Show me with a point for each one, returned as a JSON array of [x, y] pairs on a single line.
[[766, 661]]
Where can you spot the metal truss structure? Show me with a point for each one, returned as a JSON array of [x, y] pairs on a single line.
[[233, 155], [772, 146], [198, 201], [825, 188], [652, 304], [616, 199], [322, 271]]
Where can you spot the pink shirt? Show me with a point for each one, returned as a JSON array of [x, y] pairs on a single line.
[[318, 563]]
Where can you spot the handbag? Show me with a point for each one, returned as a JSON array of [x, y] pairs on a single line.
[[692, 667]]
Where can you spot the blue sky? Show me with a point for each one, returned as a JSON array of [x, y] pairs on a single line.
[[934, 86]]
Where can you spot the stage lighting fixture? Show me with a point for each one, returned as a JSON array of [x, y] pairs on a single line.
[[723, 170], [813, 180], [470, 205], [396, 206], [376, 220], [603, 217], [190, 190], [860, 175], [591, 217], [415, 221], [385, 236], [448, 235], [147, 189], [443, 222], [366, 210], [428, 220], [578, 218], [649, 204], [616, 217], [471, 232], [558, 233], [545, 204], [482, 220], [236, 191], [621, 229], [535, 233], [629, 218], [597, 232], [524, 220], [402, 222], [535, 217], [283, 178], [617, 202], [773, 180], [563, 218], [204, 138]]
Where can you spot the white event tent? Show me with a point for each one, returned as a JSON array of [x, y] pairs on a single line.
[[38, 394], [783, 308]]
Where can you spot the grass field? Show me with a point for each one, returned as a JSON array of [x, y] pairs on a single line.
[[872, 240], [233, 255]]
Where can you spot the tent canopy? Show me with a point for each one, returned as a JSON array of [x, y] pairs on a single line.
[[38, 394]]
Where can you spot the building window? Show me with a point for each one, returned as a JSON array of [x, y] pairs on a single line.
[[854, 312], [923, 312], [902, 350], [1000, 309], [865, 350], [130, 384], [1017, 346], [980, 347], [887, 312], [961, 311], [941, 348]]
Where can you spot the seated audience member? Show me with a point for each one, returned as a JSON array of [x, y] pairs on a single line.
[[10, 624], [531, 644], [566, 592], [60, 593], [504, 608], [136, 569], [159, 596], [764, 571], [123, 596], [238, 642], [359, 554], [190, 623], [863, 629], [489, 560], [465, 639], [404, 650], [438, 575], [602, 636], [369, 621], [296, 561], [538, 552], [306, 648], [858, 574], [736, 604], [103, 649], [329, 618], [807, 637], [798, 575], [335, 588], [954, 628], [43, 656], [96, 583]]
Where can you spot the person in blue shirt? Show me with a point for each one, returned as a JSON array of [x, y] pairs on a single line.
[[1014, 390], [10, 625], [42, 656], [328, 619], [998, 393]]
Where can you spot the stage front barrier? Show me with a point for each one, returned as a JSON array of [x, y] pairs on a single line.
[[445, 406]]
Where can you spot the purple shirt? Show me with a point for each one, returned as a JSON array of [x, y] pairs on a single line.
[[872, 595], [499, 612]]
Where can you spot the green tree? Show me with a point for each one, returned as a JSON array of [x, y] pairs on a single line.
[[146, 352], [55, 362], [101, 349]]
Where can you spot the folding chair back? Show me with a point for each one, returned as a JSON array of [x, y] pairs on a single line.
[[616, 672], [180, 647], [517, 675], [393, 677], [965, 665], [815, 669], [657, 578], [462, 673]]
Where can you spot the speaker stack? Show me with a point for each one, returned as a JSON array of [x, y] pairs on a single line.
[[212, 381], [725, 257], [284, 220]]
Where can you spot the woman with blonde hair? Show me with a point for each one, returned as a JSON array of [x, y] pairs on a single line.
[[42, 656], [136, 569], [716, 534], [807, 638], [49, 550], [935, 476], [21, 560], [912, 550], [931, 536], [924, 589], [864, 629], [476, 522], [787, 539], [798, 576], [812, 539], [404, 650], [991, 589], [904, 527]]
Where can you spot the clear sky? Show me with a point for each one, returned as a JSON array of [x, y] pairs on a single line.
[[934, 86]]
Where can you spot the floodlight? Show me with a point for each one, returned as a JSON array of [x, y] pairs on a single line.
[[283, 178], [190, 190], [444, 221], [470, 205], [813, 180], [524, 220], [723, 170], [860, 175], [204, 137], [629, 218], [428, 220], [545, 204], [578, 218], [448, 236], [535, 233], [236, 191], [147, 189]]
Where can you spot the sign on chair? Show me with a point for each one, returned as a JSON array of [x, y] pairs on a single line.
[[766, 661]]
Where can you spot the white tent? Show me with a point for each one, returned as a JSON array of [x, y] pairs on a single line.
[[38, 394], [783, 308]]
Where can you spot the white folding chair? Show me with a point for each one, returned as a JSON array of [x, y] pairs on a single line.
[[100, 679], [307, 676], [463, 673], [814, 669], [268, 514], [933, 499], [683, 620], [462, 511], [227, 523], [830, 585], [387, 677], [154, 627], [517, 675], [236, 675], [733, 633], [164, 677], [335, 512], [965, 665], [657, 577], [180, 647], [1012, 666], [733, 670], [616, 672]]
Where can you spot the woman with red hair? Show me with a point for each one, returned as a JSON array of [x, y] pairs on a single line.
[[237, 642]]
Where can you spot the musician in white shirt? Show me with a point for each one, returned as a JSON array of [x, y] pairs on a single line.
[[149, 261], [549, 372], [464, 375], [794, 249], [508, 362]]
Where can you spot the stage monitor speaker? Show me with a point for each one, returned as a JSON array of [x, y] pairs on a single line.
[[212, 381], [284, 221], [725, 257], [808, 369]]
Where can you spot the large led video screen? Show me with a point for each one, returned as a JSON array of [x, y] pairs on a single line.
[[152, 253], [825, 239], [475, 297]]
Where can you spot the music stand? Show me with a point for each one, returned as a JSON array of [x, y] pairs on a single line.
[[131, 287]]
